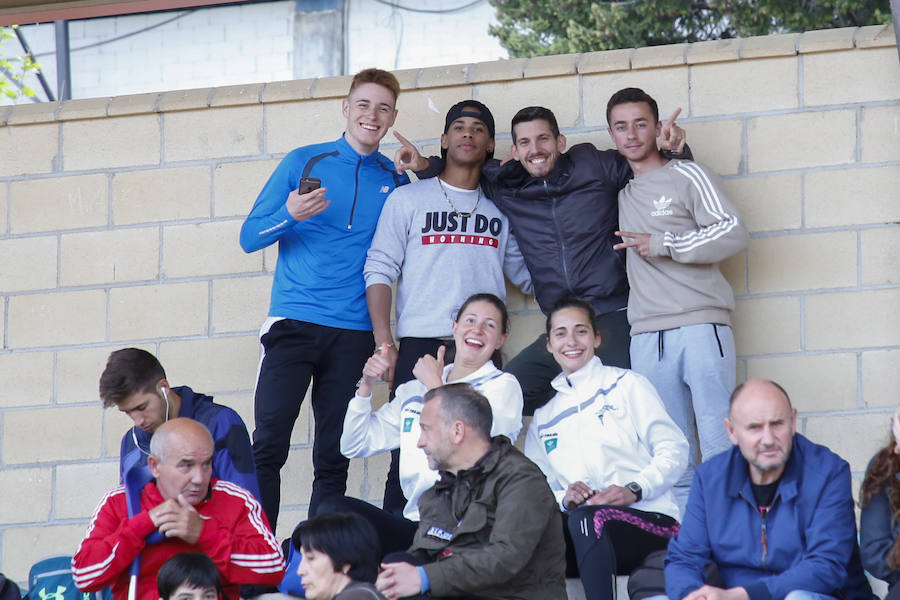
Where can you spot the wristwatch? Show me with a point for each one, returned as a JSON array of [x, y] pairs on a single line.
[[636, 490]]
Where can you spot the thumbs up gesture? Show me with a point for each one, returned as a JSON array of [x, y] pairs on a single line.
[[430, 370]]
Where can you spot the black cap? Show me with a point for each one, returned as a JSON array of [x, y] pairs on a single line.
[[470, 108]]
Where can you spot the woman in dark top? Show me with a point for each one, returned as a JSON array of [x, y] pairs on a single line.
[[879, 521]]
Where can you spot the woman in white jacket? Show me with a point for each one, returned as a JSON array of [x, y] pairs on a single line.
[[480, 329], [610, 452]]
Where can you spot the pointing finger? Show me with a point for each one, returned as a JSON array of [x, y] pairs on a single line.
[[674, 116], [402, 139]]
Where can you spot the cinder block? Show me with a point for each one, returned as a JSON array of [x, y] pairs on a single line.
[[28, 264], [206, 249], [78, 487], [357, 482], [769, 203], [286, 91], [761, 46], [421, 112], [116, 424], [59, 203], [288, 519], [855, 438], [111, 142], [27, 379], [875, 36], [332, 87], [653, 57], [727, 88], [24, 546], [407, 78], [803, 262], [235, 95], [515, 299], [714, 51], [717, 144], [225, 131], [31, 500], [785, 142], [881, 377], [852, 197], [559, 92], [78, 373], [447, 75], [815, 382], [161, 195], [109, 256], [880, 126], [823, 40], [82, 108], [550, 66], [31, 113], [767, 325], [845, 77], [880, 249], [37, 149], [668, 86], [185, 99], [734, 268], [377, 469], [241, 403], [236, 186], [602, 62], [134, 104], [158, 311], [293, 124], [239, 304], [296, 478], [56, 319], [852, 319], [523, 330], [49, 434], [213, 365], [497, 70]]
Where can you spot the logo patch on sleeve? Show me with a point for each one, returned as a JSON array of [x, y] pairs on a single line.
[[438, 533], [550, 445], [407, 424]]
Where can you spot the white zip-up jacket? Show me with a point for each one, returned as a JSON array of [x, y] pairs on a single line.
[[396, 425], [607, 426]]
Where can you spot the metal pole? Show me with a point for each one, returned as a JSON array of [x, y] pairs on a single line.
[[895, 12], [63, 71], [39, 73]]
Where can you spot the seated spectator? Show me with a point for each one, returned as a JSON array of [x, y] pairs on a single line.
[[487, 527], [189, 576], [610, 452], [135, 382], [774, 513], [193, 512], [479, 331], [340, 555], [879, 498]]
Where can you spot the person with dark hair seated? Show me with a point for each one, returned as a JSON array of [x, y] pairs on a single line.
[[340, 557], [879, 498], [610, 452], [189, 576]]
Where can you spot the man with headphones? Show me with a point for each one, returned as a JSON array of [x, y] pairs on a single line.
[[135, 382]]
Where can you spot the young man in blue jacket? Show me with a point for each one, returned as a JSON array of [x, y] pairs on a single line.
[[135, 382], [774, 514], [318, 326]]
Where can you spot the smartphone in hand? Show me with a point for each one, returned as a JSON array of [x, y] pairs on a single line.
[[308, 184]]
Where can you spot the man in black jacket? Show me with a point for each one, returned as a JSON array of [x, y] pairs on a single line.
[[563, 208]]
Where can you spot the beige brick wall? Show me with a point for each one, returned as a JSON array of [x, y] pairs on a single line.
[[119, 220]]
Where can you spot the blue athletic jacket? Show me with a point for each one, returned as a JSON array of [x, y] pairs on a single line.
[[233, 458], [806, 541], [319, 274]]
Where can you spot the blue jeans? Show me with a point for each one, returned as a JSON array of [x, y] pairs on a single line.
[[693, 370]]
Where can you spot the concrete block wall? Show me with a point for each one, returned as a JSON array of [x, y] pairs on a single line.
[[119, 220]]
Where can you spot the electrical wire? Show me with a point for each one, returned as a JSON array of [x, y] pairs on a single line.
[[430, 11], [125, 35]]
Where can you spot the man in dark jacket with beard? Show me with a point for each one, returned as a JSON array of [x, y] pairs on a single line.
[[563, 208], [489, 527]]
